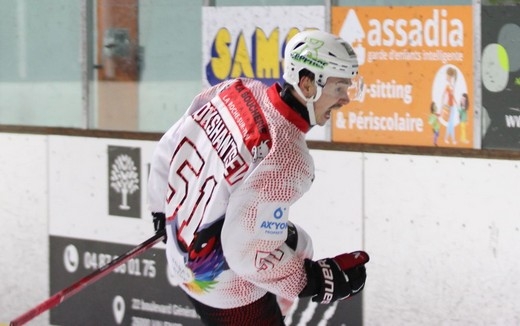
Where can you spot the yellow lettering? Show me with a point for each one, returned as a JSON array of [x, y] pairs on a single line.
[[220, 64], [266, 54], [241, 64]]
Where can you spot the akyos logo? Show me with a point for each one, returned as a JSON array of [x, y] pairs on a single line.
[[274, 227]]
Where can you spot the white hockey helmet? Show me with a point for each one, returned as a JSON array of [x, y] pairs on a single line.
[[324, 54]]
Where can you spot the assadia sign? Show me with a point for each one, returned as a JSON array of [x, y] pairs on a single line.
[[416, 75]]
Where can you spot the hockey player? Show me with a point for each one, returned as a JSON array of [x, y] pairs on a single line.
[[223, 179]]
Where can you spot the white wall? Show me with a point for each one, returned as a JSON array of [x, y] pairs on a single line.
[[24, 261], [443, 233], [445, 241]]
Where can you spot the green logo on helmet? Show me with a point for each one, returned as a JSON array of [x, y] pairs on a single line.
[[310, 56], [314, 62]]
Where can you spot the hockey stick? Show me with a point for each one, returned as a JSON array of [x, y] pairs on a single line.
[[59, 297]]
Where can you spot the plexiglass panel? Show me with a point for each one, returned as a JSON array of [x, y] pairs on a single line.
[[111, 64], [40, 74]]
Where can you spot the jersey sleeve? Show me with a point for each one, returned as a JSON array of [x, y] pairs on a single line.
[[255, 227]]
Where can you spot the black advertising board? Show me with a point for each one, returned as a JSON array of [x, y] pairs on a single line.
[[136, 293], [139, 291], [501, 77]]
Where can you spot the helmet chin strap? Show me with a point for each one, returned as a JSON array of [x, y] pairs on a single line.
[[310, 102], [312, 114]]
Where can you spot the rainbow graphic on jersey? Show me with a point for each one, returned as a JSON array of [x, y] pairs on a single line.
[[206, 259]]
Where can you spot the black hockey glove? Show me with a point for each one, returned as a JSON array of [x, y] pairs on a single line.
[[337, 278], [159, 223]]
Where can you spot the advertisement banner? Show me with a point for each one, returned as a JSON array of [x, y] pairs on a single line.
[[139, 292], [501, 77], [416, 75], [249, 42]]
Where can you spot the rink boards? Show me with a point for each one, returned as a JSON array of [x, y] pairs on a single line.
[[92, 221]]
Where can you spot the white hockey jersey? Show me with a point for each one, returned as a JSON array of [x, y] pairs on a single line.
[[226, 175]]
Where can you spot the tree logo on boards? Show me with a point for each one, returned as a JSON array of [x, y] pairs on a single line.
[[124, 181], [124, 178]]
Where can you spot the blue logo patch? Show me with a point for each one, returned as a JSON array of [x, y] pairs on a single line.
[[272, 227], [278, 213]]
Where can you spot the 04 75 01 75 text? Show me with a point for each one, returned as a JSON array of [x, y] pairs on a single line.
[[135, 266]]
